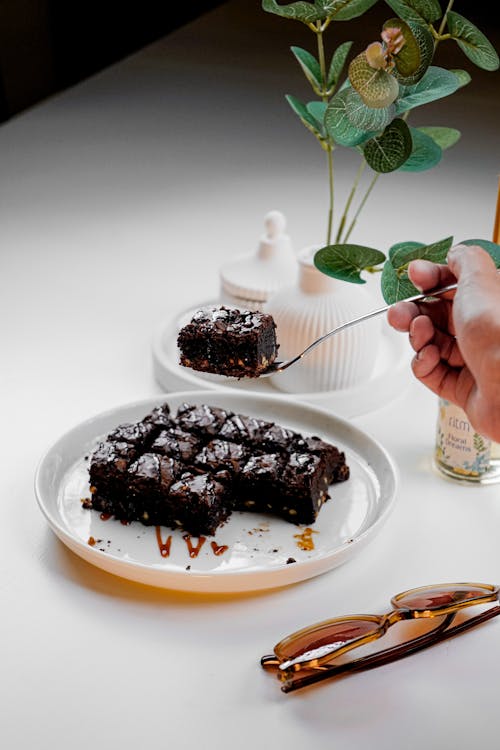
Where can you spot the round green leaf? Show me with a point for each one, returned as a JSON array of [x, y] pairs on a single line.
[[377, 88], [402, 247], [462, 75], [388, 151], [434, 84], [444, 137], [345, 262], [299, 11], [408, 59], [472, 42], [366, 118], [417, 11], [338, 125], [425, 153], [344, 10], [404, 252], [395, 286], [423, 40]]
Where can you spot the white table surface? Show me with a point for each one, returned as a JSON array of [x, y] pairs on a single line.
[[119, 200]]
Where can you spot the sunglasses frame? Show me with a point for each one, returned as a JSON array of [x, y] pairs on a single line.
[[319, 668]]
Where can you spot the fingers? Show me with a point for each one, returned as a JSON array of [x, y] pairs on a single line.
[[470, 260], [423, 332], [426, 275], [454, 384]]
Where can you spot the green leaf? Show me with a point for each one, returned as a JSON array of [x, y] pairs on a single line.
[[317, 110], [472, 42], [395, 283], [463, 77], [299, 11], [309, 65], [366, 118], [344, 10], [444, 137], [320, 10], [338, 125], [425, 153], [388, 151], [377, 88], [435, 84], [404, 252], [337, 63], [395, 286], [300, 109], [417, 11], [345, 262], [402, 246], [491, 247], [419, 48]]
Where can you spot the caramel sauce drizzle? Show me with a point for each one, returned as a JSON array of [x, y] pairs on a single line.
[[194, 549], [218, 549], [163, 546], [105, 516], [305, 540]]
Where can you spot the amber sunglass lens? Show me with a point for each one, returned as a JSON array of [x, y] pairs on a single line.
[[324, 638], [439, 597]]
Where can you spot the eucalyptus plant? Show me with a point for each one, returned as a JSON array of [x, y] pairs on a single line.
[[368, 112]]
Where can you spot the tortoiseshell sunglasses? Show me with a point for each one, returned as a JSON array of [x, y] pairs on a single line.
[[305, 657]]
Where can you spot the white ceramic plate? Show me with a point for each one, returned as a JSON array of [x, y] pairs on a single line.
[[389, 379], [258, 546]]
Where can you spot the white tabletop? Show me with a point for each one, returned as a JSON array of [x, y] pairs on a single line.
[[119, 201]]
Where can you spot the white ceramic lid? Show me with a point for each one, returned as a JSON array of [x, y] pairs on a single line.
[[274, 265]]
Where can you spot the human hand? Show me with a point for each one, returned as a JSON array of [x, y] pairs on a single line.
[[457, 338]]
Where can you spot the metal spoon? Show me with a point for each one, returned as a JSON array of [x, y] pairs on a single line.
[[277, 366]]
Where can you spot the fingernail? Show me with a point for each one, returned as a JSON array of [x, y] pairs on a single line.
[[454, 249]]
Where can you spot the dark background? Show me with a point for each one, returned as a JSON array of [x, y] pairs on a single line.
[[48, 45]]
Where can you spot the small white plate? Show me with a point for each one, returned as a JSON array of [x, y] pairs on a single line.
[[259, 547], [389, 379]]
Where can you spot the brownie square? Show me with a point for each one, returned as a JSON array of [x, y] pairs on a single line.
[[303, 488], [159, 417], [278, 438], [336, 467], [135, 433], [108, 467], [258, 486], [228, 342], [199, 504], [202, 420], [220, 455], [149, 481], [242, 429], [176, 443]]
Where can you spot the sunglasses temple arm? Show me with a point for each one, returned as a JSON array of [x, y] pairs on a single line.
[[394, 653]]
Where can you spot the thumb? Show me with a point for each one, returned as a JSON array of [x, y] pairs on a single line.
[[469, 260]]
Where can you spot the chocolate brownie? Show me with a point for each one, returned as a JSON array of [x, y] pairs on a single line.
[[194, 468], [336, 467], [199, 503], [178, 444], [109, 463], [204, 421], [221, 455], [303, 488], [149, 481], [258, 486], [228, 341]]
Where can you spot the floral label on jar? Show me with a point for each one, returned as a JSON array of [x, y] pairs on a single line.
[[460, 450]]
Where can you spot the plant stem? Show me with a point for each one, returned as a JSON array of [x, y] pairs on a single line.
[[443, 24], [329, 149], [361, 205], [349, 200]]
